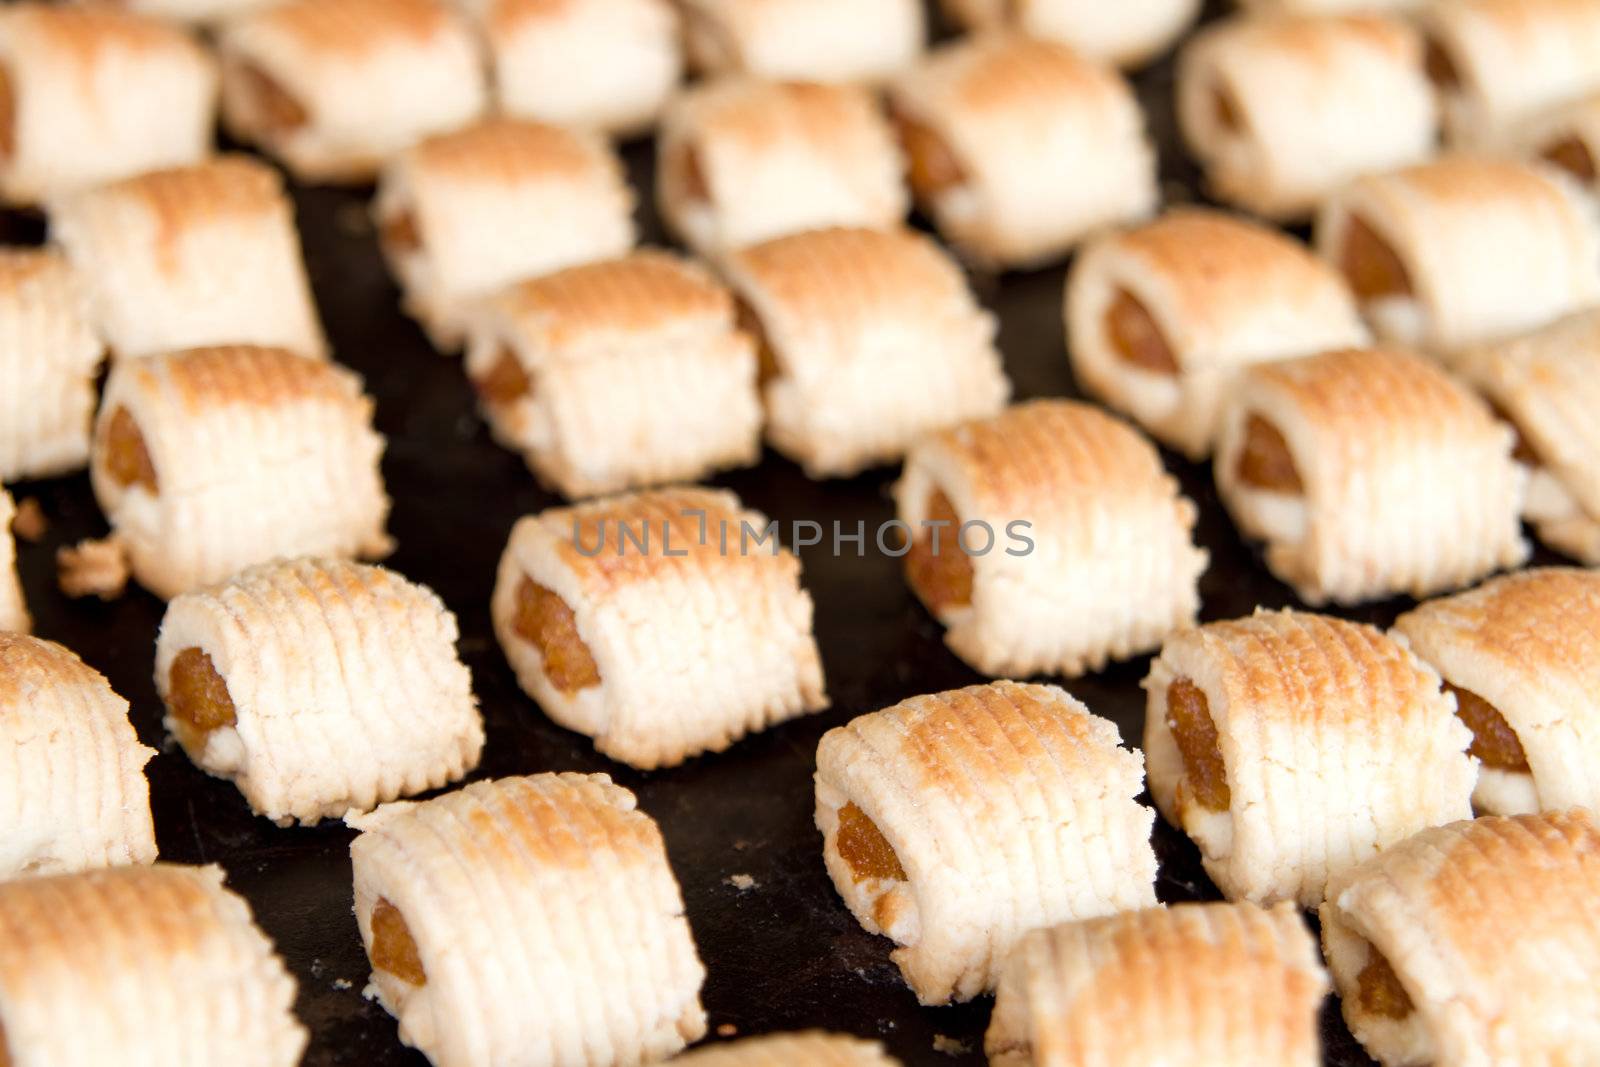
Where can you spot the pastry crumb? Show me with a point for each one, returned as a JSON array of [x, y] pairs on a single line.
[[742, 882], [29, 523], [341, 984], [727, 1030], [92, 568], [950, 1046]]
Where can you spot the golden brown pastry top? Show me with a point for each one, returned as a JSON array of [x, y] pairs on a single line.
[[230, 186], [20, 267], [30, 664], [202, 378], [1546, 618], [84, 34], [758, 113], [641, 293], [507, 150], [1317, 40], [1466, 180], [354, 27], [1351, 390], [1014, 71]]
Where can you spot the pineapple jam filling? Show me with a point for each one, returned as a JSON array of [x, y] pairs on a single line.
[[198, 697], [545, 621], [932, 168], [279, 111], [942, 576], [394, 950], [1440, 68], [767, 358], [1226, 110], [1380, 990], [8, 145], [696, 186], [1493, 740], [127, 457], [1135, 336], [506, 382], [400, 235], [1265, 461], [1374, 269], [864, 849], [1574, 157], [1189, 719]]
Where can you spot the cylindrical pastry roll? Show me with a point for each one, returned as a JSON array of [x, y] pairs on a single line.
[[955, 823], [141, 967], [1567, 136], [72, 788], [1498, 63], [212, 460], [1126, 33], [1020, 148], [1463, 250], [89, 96], [1048, 540], [613, 375], [1474, 943], [1547, 384], [809, 1049], [1161, 319], [661, 624], [13, 608], [464, 213], [1283, 111], [1521, 654], [741, 161], [1105, 991], [605, 64], [201, 255], [49, 359], [318, 687], [1369, 473], [335, 87], [868, 339], [1292, 747], [810, 40], [530, 921]]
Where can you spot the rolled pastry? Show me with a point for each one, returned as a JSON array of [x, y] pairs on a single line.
[[661, 624], [1020, 148], [465, 213], [613, 375], [318, 687], [1128, 33], [606, 64], [1567, 136], [809, 1049], [1104, 991], [1048, 540], [335, 87], [73, 794], [810, 40], [742, 161], [201, 255], [1498, 63], [141, 966], [530, 921], [1369, 473], [1463, 250], [1283, 111], [1473, 943], [49, 359], [868, 340], [91, 95], [956, 822], [1521, 655], [1162, 319], [13, 608], [1547, 385], [209, 461], [1292, 747]]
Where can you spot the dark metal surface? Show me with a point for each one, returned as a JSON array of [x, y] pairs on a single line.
[[782, 953]]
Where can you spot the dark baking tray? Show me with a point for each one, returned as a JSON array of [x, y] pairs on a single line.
[[781, 954]]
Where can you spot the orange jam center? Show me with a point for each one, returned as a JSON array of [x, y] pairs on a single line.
[[1136, 337], [1574, 157], [198, 698], [941, 577], [1226, 108], [1380, 990], [1493, 739], [932, 167], [1189, 719], [696, 186], [8, 145], [400, 234], [280, 112], [394, 950], [1265, 461], [863, 847], [127, 459], [1373, 268], [506, 383], [1440, 68], [545, 621]]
